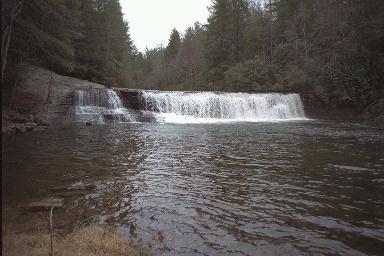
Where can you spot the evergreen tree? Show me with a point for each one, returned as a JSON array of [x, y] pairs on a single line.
[[226, 33], [44, 32], [191, 57], [106, 47], [173, 45]]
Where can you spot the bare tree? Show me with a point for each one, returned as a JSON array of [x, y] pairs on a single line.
[[9, 11]]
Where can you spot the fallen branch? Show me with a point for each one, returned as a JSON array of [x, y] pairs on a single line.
[[51, 229]]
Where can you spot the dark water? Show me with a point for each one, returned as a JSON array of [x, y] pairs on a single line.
[[289, 188]]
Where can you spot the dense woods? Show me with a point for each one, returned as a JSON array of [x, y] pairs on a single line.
[[329, 47], [84, 38]]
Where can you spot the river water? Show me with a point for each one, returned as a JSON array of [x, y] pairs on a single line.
[[268, 188]]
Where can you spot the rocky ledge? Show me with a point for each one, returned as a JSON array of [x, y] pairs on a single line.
[[14, 122]]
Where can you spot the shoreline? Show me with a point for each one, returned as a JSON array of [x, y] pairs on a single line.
[[90, 240], [26, 231]]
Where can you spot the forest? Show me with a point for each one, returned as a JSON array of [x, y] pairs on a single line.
[[333, 49]]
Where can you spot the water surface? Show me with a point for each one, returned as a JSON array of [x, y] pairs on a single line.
[[277, 188]]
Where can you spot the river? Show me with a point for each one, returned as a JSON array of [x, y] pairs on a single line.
[[264, 188]]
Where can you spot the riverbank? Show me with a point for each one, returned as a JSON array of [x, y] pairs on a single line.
[[26, 228], [16, 122], [88, 241]]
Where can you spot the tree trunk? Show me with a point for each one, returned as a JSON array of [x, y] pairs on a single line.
[[6, 30], [270, 28], [305, 41]]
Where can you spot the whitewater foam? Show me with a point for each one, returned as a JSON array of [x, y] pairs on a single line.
[[210, 107], [100, 105]]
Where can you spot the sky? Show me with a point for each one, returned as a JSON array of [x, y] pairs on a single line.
[[151, 21]]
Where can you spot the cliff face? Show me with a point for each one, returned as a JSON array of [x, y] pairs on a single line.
[[39, 97], [45, 94]]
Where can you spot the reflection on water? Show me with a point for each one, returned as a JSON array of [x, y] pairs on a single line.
[[293, 188]]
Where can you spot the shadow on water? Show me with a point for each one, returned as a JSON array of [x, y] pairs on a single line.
[[292, 188]]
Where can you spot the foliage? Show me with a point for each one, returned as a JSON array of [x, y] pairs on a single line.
[[345, 77], [252, 75], [35, 34], [225, 40], [332, 48], [88, 39]]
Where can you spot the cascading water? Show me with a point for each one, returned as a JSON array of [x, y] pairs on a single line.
[[200, 107], [100, 105]]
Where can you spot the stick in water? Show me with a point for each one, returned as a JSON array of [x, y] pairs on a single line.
[[50, 230]]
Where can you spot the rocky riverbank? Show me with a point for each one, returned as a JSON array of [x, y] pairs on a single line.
[[34, 95], [15, 122], [26, 228]]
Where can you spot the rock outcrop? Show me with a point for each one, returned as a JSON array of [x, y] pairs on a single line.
[[41, 97], [45, 94]]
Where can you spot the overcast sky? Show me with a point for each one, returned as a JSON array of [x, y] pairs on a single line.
[[151, 21]]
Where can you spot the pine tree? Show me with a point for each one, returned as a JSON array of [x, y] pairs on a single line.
[[173, 45], [191, 57], [226, 33], [104, 51], [44, 32]]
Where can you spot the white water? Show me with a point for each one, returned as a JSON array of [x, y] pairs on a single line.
[[99, 105], [209, 107]]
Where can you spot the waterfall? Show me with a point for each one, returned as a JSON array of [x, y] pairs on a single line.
[[100, 105], [197, 107]]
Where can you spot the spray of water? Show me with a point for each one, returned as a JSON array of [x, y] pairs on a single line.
[[201, 107], [100, 105]]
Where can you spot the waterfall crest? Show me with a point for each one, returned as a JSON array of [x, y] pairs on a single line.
[[100, 105], [189, 107]]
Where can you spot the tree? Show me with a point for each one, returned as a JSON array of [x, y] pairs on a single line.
[[37, 39], [226, 31], [257, 32], [191, 57], [9, 11], [104, 51], [173, 45]]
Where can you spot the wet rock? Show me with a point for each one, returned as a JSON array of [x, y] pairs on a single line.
[[19, 128], [45, 204], [41, 122], [17, 118], [110, 220], [79, 187], [59, 189], [85, 187], [160, 236], [40, 128], [67, 194], [14, 122], [88, 123], [31, 124]]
